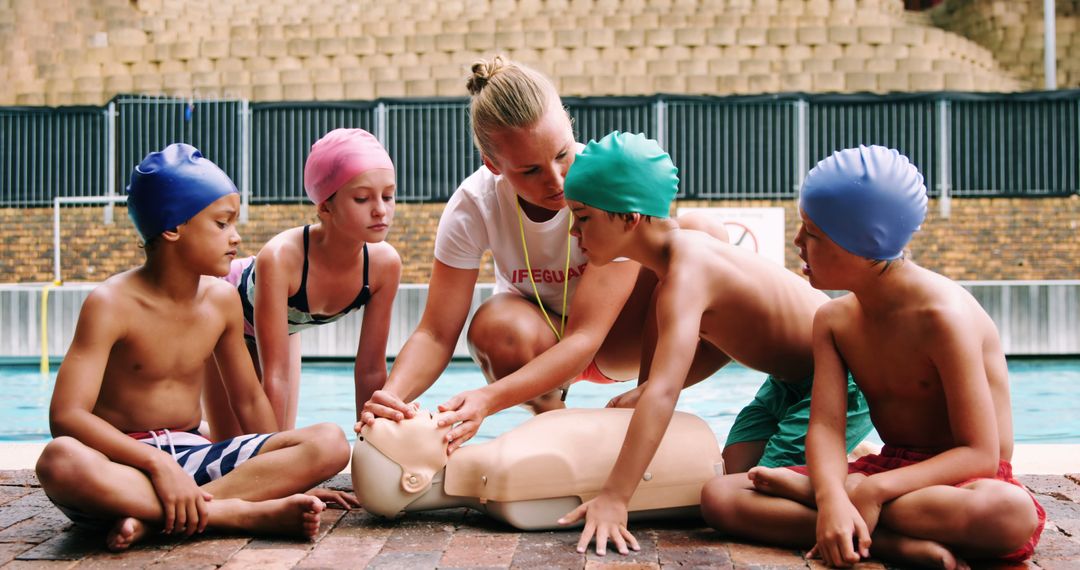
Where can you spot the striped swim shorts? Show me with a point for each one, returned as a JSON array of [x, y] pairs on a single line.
[[201, 458]]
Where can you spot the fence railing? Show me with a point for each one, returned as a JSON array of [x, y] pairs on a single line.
[[1034, 318], [725, 147]]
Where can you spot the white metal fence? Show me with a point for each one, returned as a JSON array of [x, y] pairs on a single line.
[[20, 321]]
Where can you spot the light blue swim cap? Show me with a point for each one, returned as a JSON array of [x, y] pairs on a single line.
[[869, 200], [170, 187], [623, 173]]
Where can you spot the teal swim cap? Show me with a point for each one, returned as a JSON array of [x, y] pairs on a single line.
[[869, 200], [624, 173], [170, 187]]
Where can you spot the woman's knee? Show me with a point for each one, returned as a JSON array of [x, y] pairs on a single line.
[[504, 335]]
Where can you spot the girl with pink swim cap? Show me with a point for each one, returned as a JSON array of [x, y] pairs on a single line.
[[317, 273]]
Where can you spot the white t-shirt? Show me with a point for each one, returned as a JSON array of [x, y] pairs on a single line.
[[482, 215]]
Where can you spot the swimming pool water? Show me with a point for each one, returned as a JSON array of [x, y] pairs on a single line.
[[1045, 394]]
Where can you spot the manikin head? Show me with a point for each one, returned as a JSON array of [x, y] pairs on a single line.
[[394, 462]]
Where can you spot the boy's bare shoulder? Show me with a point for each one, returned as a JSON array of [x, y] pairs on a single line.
[[694, 264], [687, 235], [946, 307], [688, 246], [691, 251], [218, 291], [112, 305], [837, 310], [114, 293]]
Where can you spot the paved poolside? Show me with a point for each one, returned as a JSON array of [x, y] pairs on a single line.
[[33, 534]]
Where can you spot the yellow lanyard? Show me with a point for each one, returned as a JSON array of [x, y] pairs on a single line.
[[566, 273]]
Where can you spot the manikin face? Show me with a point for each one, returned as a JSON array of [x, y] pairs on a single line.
[[416, 444], [599, 233], [535, 159], [364, 206], [209, 240]]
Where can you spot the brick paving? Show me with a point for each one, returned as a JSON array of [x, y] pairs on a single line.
[[34, 535]]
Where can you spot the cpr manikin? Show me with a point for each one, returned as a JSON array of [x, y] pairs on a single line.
[[533, 474]]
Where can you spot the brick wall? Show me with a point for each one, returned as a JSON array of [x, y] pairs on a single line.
[[983, 238], [92, 250], [1001, 238]]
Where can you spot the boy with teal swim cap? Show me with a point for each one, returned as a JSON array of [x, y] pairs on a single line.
[[714, 303], [127, 455], [930, 362]]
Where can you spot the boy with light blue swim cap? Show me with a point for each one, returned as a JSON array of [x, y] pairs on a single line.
[[934, 373], [714, 303], [171, 186], [870, 200]]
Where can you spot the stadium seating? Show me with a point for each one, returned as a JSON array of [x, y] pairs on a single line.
[[64, 52]]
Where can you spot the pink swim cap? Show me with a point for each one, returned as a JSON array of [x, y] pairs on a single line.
[[338, 157]]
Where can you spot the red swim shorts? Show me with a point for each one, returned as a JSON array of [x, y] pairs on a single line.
[[894, 458], [592, 373]]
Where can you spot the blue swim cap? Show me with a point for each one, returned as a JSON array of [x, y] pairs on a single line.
[[170, 187], [869, 200], [623, 173]]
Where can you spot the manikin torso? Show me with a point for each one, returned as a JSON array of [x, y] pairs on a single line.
[[533, 474]]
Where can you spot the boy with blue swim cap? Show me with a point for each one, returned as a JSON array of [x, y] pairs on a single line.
[[930, 362], [127, 455], [869, 200], [714, 303], [170, 187]]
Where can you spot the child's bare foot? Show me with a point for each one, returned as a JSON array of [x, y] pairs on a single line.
[[297, 515], [782, 482], [124, 533], [919, 552]]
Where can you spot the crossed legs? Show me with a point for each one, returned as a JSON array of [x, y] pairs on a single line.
[[262, 495], [986, 518]]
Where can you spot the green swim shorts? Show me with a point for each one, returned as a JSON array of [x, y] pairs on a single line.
[[780, 416]]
